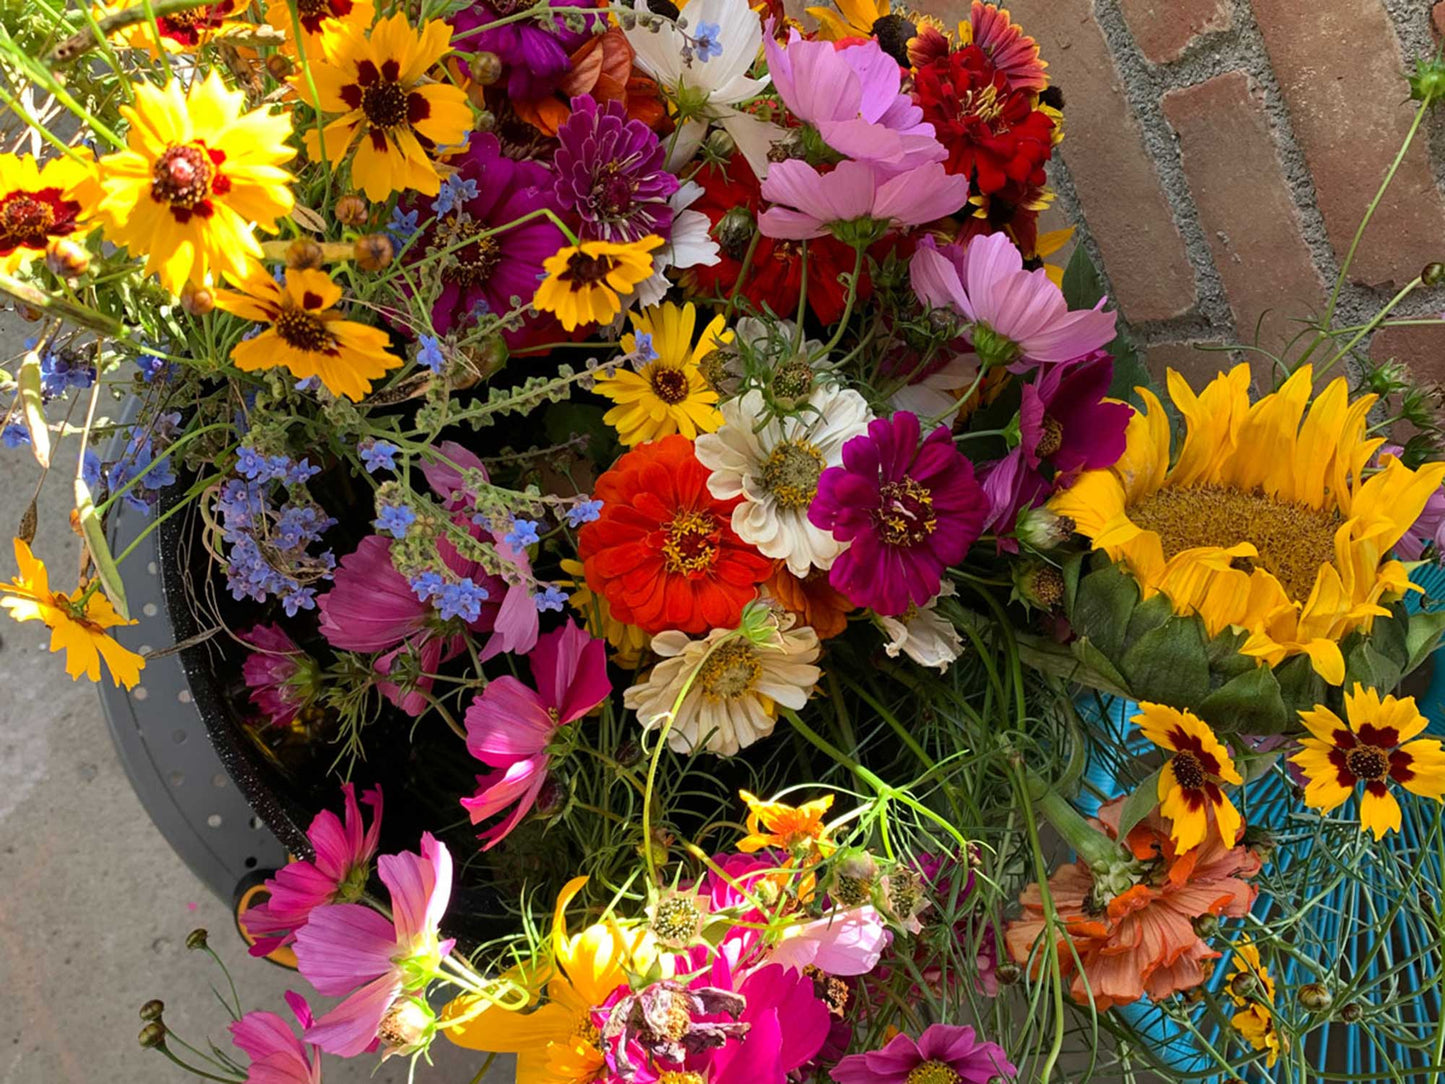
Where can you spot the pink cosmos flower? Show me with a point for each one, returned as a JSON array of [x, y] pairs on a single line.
[[277, 1056], [348, 950], [279, 676], [509, 726], [1019, 317], [337, 874], [852, 96], [940, 1047], [842, 942], [809, 204]]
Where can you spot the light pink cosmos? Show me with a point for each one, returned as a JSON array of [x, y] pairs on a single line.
[[842, 942], [1020, 318], [807, 203], [337, 874], [852, 96], [277, 1055], [509, 726], [348, 950]]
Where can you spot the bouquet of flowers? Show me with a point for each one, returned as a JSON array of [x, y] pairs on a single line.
[[647, 445]]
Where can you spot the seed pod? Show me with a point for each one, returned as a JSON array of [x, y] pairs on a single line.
[[352, 210], [302, 255], [374, 252]]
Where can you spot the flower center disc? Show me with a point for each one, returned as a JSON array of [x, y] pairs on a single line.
[[730, 670], [302, 330], [182, 176], [1294, 541], [933, 1072], [26, 220], [612, 193], [691, 542], [791, 473], [585, 269], [1051, 439], [1367, 763], [385, 104], [905, 514], [476, 261], [668, 384], [1188, 770]]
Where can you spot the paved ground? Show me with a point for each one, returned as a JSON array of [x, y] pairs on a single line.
[[94, 906]]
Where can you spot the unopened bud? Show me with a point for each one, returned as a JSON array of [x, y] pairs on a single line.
[[1433, 274], [1245, 984], [196, 939], [1428, 83], [373, 252], [1042, 529], [735, 231], [628, 754], [1008, 974], [486, 68], [152, 1009], [1205, 925], [279, 66], [1351, 1011], [1314, 997], [407, 1027], [197, 300], [302, 255], [67, 259], [28, 313], [485, 120], [152, 1036], [551, 798], [352, 210]]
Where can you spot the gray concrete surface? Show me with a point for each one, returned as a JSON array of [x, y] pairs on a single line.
[[94, 906]]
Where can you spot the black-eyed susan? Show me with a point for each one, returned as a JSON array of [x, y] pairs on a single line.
[[1191, 783], [307, 333], [78, 621], [667, 392], [40, 204], [316, 19], [200, 173], [1270, 519], [584, 281], [1377, 747], [390, 110]]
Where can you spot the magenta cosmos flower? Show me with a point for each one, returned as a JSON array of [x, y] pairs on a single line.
[[337, 874], [350, 951], [1019, 317], [611, 174], [907, 512], [943, 1048], [509, 726], [852, 97], [855, 200], [277, 1055], [280, 678]]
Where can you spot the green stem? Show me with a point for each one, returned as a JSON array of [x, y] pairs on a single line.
[[847, 308]]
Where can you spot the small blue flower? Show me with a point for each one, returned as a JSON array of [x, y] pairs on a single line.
[[430, 354], [522, 534], [294, 474], [426, 585], [403, 225], [153, 368], [550, 598], [378, 455], [455, 190], [311, 383], [395, 520], [708, 45], [463, 599], [643, 348], [89, 469], [482, 520], [15, 436], [584, 512], [250, 464]]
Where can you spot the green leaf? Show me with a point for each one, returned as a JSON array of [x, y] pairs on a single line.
[[1299, 685], [1225, 661], [94, 533], [1072, 569], [1248, 704], [1148, 615], [1168, 664], [31, 408], [1371, 667], [1423, 637], [1094, 669], [1140, 803], [1102, 605], [1082, 285]]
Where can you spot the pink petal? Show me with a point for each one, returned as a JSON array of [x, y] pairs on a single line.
[[344, 945], [350, 1028]]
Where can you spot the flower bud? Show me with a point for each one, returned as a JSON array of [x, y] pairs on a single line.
[[1428, 83], [735, 231], [1245, 984], [1433, 274], [1008, 974], [373, 252], [352, 210], [152, 1010], [152, 1036], [1314, 997], [196, 939], [628, 753], [197, 300], [1205, 925], [486, 68], [407, 1027], [1351, 1011], [28, 313], [279, 66], [302, 255], [552, 798], [1041, 529], [67, 259]]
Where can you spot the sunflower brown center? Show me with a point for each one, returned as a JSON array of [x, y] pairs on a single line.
[[1188, 770], [303, 330], [1051, 439], [791, 473], [730, 670], [25, 220], [1293, 540], [933, 1072], [668, 384], [385, 104], [1367, 763], [690, 543], [184, 176], [905, 515]]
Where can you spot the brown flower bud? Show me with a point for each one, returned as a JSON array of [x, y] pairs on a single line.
[[67, 259], [1433, 274], [152, 1010], [373, 252], [28, 313], [279, 66], [486, 68], [197, 300], [152, 1036], [352, 210], [197, 939], [1351, 1012], [1008, 974], [302, 254], [1314, 997]]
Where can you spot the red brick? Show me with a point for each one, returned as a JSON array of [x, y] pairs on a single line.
[[1245, 208], [1122, 200], [1340, 68], [1421, 347], [1163, 29], [1437, 18], [1195, 365]]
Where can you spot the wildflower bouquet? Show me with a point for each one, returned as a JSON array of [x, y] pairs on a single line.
[[648, 447]]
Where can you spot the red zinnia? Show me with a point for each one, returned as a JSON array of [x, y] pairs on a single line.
[[663, 552], [994, 134]]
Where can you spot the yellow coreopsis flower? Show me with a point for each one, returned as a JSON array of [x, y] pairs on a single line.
[[199, 174], [1269, 519], [1256, 1026], [377, 81], [77, 621], [1247, 961], [1191, 783], [40, 204], [583, 281], [1377, 747], [307, 333], [798, 830], [627, 641], [180, 31], [667, 393], [853, 19], [318, 18]]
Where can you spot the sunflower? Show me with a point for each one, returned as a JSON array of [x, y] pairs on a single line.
[[39, 204], [317, 18], [308, 334], [1267, 521], [583, 281], [1191, 781], [376, 81], [668, 393], [77, 621], [199, 172], [1374, 748]]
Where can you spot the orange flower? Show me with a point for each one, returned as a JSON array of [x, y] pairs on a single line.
[[812, 600], [1142, 941], [798, 830], [602, 68]]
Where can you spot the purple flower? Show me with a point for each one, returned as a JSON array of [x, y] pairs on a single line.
[[707, 42], [611, 172], [403, 225], [258, 566], [907, 512], [277, 1056], [395, 520], [378, 455], [281, 679], [153, 368], [429, 353], [461, 599], [551, 597], [855, 201], [944, 1048], [534, 53]]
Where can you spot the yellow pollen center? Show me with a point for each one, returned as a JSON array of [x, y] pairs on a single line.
[[933, 1072], [673, 1076], [691, 542], [1293, 540], [791, 473], [730, 671], [583, 1028], [905, 513]]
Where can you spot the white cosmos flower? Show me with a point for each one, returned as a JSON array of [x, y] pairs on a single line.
[[775, 470], [734, 699], [923, 634], [689, 244], [708, 82]]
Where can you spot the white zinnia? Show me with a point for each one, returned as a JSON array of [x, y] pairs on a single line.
[[710, 89], [689, 244], [923, 634], [775, 470], [734, 697]]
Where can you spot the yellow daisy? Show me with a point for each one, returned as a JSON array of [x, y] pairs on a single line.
[[583, 281], [628, 641], [1256, 1026], [77, 621], [1247, 961], [1191, 781], [39, 204], [378, 82], [1374, 748], [667, 394], [1268, 519], [308, 334], [318, 18], [200, 172]]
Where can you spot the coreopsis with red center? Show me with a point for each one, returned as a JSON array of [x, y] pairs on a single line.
[[1191, 782], [40, 203]]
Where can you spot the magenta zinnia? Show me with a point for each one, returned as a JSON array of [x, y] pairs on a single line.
[[611, 173]]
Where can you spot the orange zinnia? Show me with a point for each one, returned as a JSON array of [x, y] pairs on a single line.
[[1143, 941], [812, 600]]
